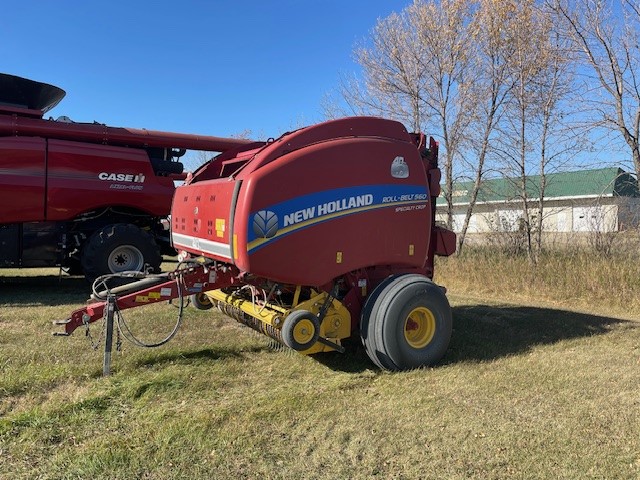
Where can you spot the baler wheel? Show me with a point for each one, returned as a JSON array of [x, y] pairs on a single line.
[[201, 301], [406, 323], [300, 330], [117, 248]]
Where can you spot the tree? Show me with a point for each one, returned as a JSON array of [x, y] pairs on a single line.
[[445, 53], [415, 70], [492, 84], [608, 44], [393, 80], [530, 139], [489, 76], [526, 40], [554, 122]]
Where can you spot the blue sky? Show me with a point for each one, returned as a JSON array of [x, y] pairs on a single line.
[[216, 68]]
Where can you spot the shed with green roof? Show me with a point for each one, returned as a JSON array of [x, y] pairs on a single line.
[[605, 199]]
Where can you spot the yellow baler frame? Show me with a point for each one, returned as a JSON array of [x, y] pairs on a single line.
[[335, 326]]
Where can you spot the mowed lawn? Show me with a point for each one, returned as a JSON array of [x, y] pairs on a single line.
[[524, 392]]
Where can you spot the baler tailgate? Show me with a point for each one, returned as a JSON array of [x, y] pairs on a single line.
[[201, 218]]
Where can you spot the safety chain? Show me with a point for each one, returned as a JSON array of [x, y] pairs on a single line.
[[96, 344], [118, 340]]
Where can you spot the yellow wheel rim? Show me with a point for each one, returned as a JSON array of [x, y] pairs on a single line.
[[203, 298], [304, 331], [419, 327]]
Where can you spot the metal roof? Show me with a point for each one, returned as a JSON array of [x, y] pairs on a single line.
[[602, 182]]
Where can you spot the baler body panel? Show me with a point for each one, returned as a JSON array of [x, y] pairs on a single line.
[[22, 179], [84, 177], [333, 207], [342, 128], [309, 211], [201, 218]]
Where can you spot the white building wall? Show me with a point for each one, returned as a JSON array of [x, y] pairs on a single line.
[[564, 220], [559, 216], [595, 218], [509, 219]]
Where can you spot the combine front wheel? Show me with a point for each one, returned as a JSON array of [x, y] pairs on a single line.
[[118, 248], [406, 323]]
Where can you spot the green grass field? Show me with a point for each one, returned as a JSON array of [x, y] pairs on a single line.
[[526, 390]]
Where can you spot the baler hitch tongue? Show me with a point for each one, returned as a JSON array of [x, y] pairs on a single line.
[[183, 281]]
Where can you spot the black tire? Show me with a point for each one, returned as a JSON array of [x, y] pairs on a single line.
[[365, 316], [201, 301], [118, 248], [300, 330], [406, 323]]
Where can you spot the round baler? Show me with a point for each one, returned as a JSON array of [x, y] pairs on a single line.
[[325, 233]]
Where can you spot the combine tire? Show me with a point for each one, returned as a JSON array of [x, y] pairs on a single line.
[[300, 330], [201, 301], [119, 248], [406, 323]]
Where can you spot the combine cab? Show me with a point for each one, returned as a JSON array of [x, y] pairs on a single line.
[[326, 233]]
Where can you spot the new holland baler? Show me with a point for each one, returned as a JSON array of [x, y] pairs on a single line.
[[325, 233]]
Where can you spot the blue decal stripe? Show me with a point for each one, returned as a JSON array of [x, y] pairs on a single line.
[[261, 242], [319, 204]]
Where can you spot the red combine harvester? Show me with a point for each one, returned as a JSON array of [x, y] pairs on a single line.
[[87, 197], [322, 234]]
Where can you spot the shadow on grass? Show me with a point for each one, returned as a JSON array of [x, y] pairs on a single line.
[[48, 289], [484, 333], [43, 289], [481, 333], [354, 360], [197, 356]]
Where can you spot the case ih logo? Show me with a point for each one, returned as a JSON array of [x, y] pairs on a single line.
[[121, 177], [265, 224]]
